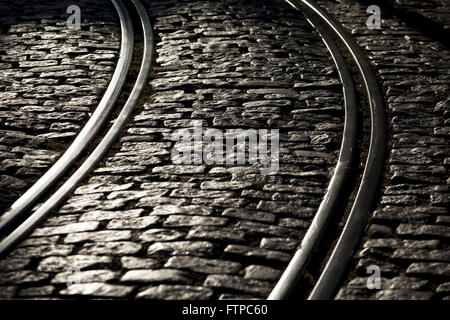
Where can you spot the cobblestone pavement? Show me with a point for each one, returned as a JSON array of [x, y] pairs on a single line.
[[408, 233], [435, 10], [142, 227], [51, 80]]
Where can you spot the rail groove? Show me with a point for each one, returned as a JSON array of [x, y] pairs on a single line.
[[9, 242]]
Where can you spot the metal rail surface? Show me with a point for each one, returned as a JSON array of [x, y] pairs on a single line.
[[88, 165]]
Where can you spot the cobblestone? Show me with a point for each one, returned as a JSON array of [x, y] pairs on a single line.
[[403, 295], [262, 273], [423, 268], [209, 266], [37, 291], [97, 290], [196, 248], [85, 276], [176, 292], [101, 236], [59, 264], [42, 251], [251, 286], [152, 275]]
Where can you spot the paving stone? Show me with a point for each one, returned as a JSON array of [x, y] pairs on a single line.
[[168, 185], [173, 169], [422, 254], [121, 170], [432, 268], [11, 264], [139, 263], [208, 266], [102, 188], [7, 292], [280, 207], [267, 229], [22, 277], [293, 223], [194, 193], [424, 230], [443, 220], [250, 252], [186, 221], [399, 243], [175, 292], [220, 202], [67, 229], [62, 220], [110, 215], [260, 288], [188, 210], [224, 235], [379, 231], [404, 200], [99, 236], [444, 287], [237, 297], [37, 291], [85, 204], [374, 253], [83, 262], [42, 251], [403, 295], [195, 248], [84, 276], [225, 185], [279, 244], [346, 293], [410, 283], [249, 214], [132, 223], [402, 216], [262, 273], [152, 276], [159, 235], [132, 195], [155, 201], [97, 290], [110, 248]]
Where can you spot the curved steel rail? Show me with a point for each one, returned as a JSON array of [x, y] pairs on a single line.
[[326, 209], [350, 236], [26, 227], [88, 132]]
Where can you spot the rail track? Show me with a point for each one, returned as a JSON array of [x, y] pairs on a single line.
[[344, 249], [341, 46], [90, 131]]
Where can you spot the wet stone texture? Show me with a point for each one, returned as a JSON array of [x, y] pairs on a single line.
[[51, 80], [408, 232], [143, 227]]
